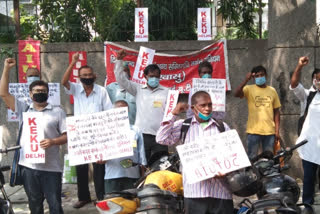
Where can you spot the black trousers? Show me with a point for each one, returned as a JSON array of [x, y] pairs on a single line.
[[151, 147], [83, 181], [208, 206]]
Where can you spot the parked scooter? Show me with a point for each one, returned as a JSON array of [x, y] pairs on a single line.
[[158, 191], [277, 193]]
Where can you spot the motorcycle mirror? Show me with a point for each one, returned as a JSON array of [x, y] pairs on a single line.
[[126, 163]]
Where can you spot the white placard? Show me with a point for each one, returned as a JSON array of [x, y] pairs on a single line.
[[215, 87], [32, 134], [172, 101], [208, 156], [21, 91], [145, 58], [204, 24], [141, 31], [99, 136]]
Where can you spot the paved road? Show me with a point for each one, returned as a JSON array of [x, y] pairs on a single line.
[[20, 202]]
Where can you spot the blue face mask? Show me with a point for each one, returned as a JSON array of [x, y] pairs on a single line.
[[206, 76], [260, 80], [204, 117], [153, 82], [32, 79]]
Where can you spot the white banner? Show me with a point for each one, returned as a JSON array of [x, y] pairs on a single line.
[[208, 156], [141, 31], [32, 134], [204, 24], [145, 58], [21, 91], [215, 87], [99, 136], [172, 100]]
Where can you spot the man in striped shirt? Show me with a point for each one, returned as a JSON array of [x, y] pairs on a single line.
[[210, 196]]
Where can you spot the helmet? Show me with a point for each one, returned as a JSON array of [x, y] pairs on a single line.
[[244, 182]]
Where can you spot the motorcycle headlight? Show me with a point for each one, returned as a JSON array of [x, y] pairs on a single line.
[[108, 207]]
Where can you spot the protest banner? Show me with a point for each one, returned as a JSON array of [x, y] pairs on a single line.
[[141, 29], [172, 100], [21, 91], [32, 134], [215, 87], [204, 24], [145, 58], [29, 57], [176, 71], [99, 136], [74, 77], [208, 156]]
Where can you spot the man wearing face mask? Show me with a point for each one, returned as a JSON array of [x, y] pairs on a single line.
[[88, 98], [150, 101], [207, 196], [32, 74], [310, 109], [116, 92], [42, 180], [263, 109]]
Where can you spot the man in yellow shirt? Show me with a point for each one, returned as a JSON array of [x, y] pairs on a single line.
[[263, 111]]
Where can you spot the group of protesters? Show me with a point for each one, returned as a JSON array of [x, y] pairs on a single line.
[[151, 134]]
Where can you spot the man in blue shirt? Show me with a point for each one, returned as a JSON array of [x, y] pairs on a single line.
[[116, 177], [116, 92]]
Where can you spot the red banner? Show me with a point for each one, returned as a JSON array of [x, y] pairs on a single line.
[[74, 77], [176, 71], [29, 57]]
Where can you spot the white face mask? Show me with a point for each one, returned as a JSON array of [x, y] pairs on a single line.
[[316, 84]]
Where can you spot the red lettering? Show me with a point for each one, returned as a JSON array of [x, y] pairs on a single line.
[[234, 159], [203, 14], [33, 130], [172, 97], [32, 121], [145, 55], [227, 164], [140, 74], [141, 30], [34, 149], [140, 13], [144, 62], [33, 138], [198, 173], [205, 171]]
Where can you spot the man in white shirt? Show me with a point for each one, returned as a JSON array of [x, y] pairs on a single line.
[[150, 101], [88, 98], [309, 153]]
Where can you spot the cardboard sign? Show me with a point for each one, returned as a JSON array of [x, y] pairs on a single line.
[[172, 101], [177, 71], [215, 87], [74, 77], [204, 24], [32, 134], [21, 91], [141, 31], [29, 57], [208, 156], [99, 136], [145, 58]]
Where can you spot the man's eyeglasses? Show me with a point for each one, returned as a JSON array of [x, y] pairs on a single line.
[[39, 90]]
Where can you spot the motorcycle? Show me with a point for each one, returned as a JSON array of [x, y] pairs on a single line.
[[158, 191], [277, 193]]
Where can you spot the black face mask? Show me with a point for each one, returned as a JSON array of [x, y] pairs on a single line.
[[40, 97], [87, 81]]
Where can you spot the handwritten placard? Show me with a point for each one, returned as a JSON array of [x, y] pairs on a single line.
[[215, 87], [208, 156], [21, 91], [32, 134], [172, 100], [99, 136]]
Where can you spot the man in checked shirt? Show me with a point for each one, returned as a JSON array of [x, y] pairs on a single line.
[[210, 196]]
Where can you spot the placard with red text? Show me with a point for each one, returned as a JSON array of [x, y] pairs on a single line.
[[99, 136], [177, 71], [204, 24], [141, 31], [172, 100], [208, 156], [32, 134], [145, 58]]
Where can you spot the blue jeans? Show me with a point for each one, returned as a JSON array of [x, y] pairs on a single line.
[[40, 185], [309, 178], [254, 141]]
